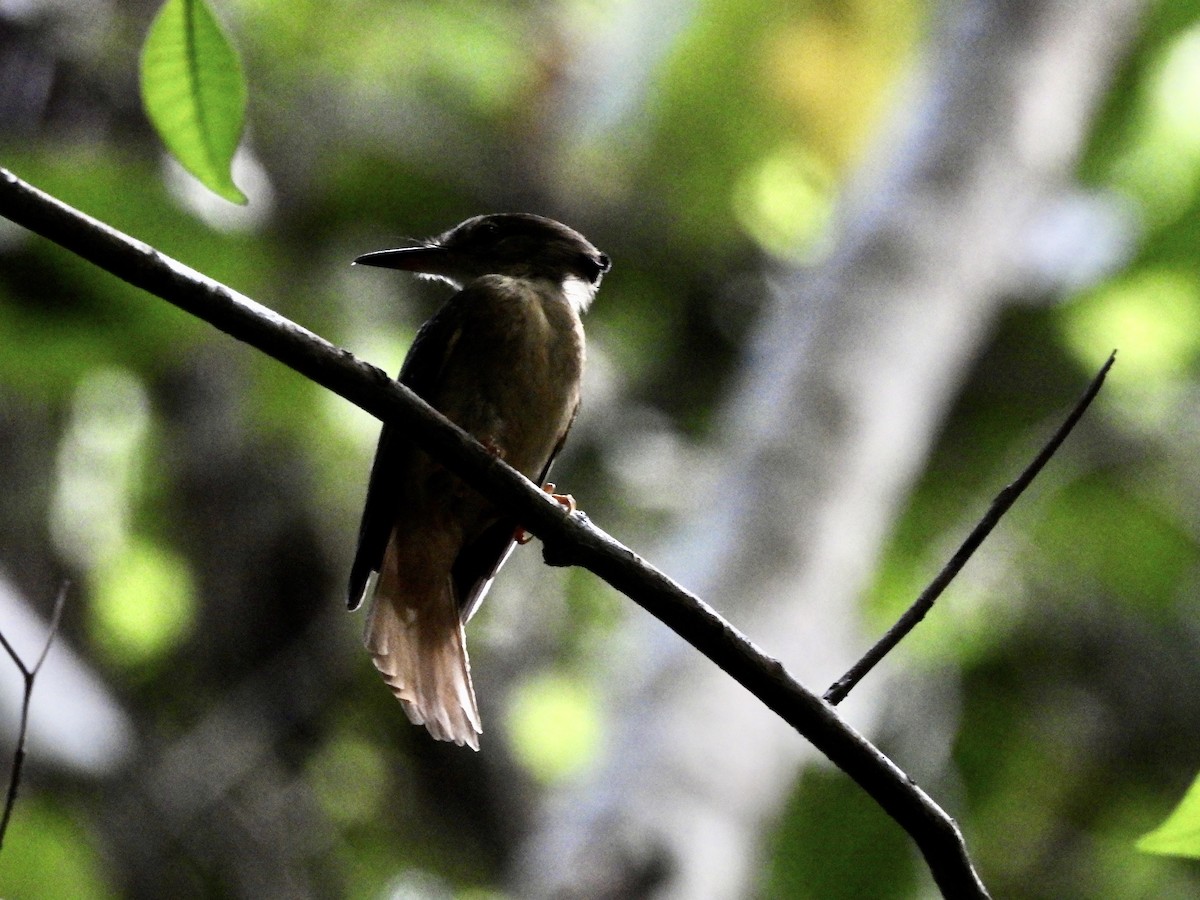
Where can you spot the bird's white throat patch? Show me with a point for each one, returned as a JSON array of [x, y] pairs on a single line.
[[579, 293]]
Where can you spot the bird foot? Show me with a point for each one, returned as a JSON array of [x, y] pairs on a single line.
[[521, 536]]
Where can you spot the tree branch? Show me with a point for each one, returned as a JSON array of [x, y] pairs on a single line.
[[1000, 505], [568, 538], [29, 675]]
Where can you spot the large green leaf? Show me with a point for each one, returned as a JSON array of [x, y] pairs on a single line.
[[1179, 835], [194, 92]]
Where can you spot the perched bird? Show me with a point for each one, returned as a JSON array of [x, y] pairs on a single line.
[[503, 359]]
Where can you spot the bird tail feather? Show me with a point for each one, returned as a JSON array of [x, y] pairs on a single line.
[[415, 636]]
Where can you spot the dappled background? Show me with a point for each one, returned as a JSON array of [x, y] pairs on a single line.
[[866, 255]]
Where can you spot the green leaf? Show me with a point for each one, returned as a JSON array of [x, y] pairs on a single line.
[[1179, 835], [194, 92]]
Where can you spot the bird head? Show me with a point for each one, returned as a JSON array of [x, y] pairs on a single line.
[[519, 245]]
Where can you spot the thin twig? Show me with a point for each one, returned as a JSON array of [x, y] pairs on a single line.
[[570, 538], [29, 675], [1000, 505]]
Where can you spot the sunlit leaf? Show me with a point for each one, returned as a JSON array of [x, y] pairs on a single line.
[[1161, 164], [194, 92], [1179, 835], [554, 726], [785, 202], [143, 602], [1153, 316]]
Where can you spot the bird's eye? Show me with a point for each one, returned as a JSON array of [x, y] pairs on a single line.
[[488, 228], [593, 265]]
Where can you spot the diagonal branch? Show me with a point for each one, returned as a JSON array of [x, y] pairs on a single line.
[[1001, 504], [568, 537], [28, 674]]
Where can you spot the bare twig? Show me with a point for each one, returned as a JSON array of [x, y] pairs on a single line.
[[1000, 505], [568, 538], [29, 675]]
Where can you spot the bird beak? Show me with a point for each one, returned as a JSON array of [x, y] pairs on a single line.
[[429, 260]]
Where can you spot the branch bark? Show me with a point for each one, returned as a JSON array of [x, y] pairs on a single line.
[[568, 538], [1002, 503], [29, 674]]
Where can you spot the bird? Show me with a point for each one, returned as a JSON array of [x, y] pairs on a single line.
[[502, 358]]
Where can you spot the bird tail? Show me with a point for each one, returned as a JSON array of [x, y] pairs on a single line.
[[415, 636]]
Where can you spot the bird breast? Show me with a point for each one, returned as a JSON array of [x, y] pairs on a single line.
[[514, 377]]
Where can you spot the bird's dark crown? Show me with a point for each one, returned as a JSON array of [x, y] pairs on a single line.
[[522, 245]]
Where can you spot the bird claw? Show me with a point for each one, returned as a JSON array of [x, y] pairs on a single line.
[[566, 501]]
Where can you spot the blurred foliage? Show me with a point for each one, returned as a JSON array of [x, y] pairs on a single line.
[[1079, 610], [1179, 835], [209, 509], [836, 844], [48, 852]]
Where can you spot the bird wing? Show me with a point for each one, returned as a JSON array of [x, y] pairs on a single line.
[[421, 372], [413, 631]]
